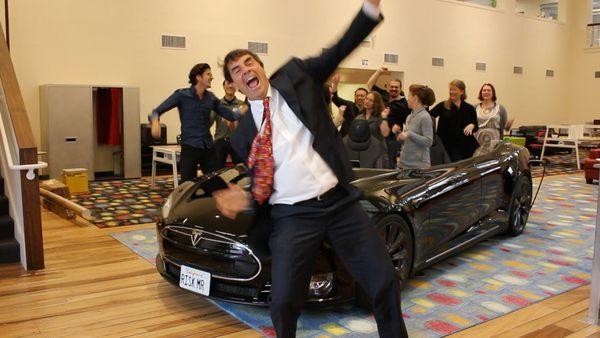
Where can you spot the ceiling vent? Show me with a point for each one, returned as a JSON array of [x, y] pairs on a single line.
[[549, 73], [480, 66], [390, 58], [437, 62], [518, 70], [173, 41], [258, 47]]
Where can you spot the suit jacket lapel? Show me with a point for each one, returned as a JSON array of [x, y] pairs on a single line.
[[283, 84]]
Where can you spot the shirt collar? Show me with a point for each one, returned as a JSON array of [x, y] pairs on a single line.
[[257, 105]]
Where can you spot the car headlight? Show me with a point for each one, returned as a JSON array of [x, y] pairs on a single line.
[[321, 285], [166, 207]]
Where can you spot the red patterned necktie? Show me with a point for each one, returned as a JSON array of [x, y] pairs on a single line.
[[261, 159]]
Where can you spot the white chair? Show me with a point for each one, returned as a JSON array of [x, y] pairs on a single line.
[[559, 140]]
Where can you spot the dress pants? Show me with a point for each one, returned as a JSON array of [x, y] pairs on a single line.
[[297, 234], [222, 149], [191, 157]]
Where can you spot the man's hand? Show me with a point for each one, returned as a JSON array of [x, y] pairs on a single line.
[[402, 136], [375, 2], [231, 201], [335, 80], [243, 108], [396, 129], [339, 118], [383, 70], [155, 128]]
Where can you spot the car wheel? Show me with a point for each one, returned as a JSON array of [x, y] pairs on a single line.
[[396, 235], [520, 204], [398, 240]]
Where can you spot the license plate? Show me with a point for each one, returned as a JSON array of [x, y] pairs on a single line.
[[195, 280]]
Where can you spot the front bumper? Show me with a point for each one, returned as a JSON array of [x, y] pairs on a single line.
[[242, 277]]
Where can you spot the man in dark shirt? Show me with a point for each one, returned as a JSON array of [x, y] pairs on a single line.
[[195, 104], [224, 129], [399, 111], [352, 109]]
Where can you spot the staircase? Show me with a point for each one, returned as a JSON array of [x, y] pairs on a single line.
[[9, 247]]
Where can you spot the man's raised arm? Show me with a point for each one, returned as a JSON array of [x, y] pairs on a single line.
[[322, 66]]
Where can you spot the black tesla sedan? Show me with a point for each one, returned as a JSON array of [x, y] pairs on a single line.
[[423, 217]]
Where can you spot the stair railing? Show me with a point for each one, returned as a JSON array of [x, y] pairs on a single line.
[[19, 161]]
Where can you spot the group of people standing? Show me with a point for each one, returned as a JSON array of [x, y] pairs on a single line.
[[199, 109], [402, 123], [405, 121]]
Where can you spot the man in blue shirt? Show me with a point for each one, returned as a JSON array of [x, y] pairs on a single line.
[[195, 105]]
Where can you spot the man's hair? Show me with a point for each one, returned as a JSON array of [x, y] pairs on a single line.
[[397, 80], [234, 55], [363, 89], [198, 69]]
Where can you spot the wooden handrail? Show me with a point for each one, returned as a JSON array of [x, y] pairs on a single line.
[[30, 191]]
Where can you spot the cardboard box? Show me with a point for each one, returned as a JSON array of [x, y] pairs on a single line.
[[76, 179]]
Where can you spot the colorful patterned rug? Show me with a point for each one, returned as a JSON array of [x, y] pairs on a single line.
[[496, 277], [558, 164], [124, 202]]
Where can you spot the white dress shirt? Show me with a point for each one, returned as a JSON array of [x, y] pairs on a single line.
[[300, 172]]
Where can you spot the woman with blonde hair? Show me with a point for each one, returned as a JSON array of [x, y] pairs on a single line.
[[457, 122]]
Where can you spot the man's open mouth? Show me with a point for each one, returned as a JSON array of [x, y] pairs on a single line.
[[252, 82]]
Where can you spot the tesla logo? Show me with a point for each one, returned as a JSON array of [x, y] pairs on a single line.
[[196, 236]]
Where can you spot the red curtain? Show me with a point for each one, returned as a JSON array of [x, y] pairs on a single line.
[[108, 116]]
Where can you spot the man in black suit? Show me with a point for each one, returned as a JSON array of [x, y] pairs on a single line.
[[301, 172]]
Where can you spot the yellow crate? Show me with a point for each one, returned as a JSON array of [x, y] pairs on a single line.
[[76, 179]]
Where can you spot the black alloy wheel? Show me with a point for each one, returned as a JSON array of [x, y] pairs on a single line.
[[520, 205], [396, 235]]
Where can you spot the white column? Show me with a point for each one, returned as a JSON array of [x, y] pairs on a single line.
[[594, 314]]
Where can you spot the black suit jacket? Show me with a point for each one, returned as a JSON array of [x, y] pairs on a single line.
[[300, 83]]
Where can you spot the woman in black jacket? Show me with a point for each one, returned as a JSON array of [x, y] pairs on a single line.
[[457, 123]]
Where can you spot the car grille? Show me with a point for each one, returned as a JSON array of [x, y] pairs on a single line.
[[223, 257], [218, 288]]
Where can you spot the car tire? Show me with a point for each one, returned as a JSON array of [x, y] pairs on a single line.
[[520, 205], [397, 237]]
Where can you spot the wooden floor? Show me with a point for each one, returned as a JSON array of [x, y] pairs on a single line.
[[94, 286]]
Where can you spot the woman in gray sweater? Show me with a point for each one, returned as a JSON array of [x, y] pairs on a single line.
[[418, 130]]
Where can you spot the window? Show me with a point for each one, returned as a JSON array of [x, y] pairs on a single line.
[[549, 10], [593, 29], [546, 9]]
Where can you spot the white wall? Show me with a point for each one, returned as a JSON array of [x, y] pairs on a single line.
[[582, 96], [118, 42]]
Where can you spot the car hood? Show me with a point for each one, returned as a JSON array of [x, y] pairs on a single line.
[[190, 204]]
